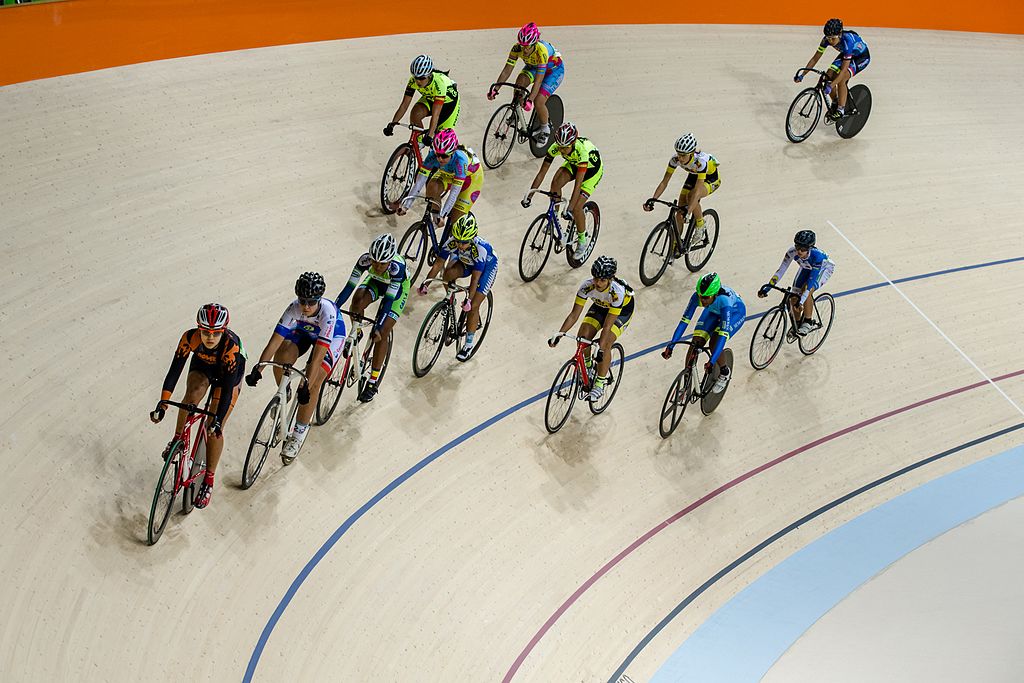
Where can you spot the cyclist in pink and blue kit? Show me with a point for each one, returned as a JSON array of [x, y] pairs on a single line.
[[452, 168]]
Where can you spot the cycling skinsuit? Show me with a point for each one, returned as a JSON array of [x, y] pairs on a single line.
[[479, 256], [582, 155], [723, 318], [851, 46], [223, 367], [441, 88], [463, 172], [326, 327], [392, 286], [702, 167], [616, 300], [545, 61], [815, 270]]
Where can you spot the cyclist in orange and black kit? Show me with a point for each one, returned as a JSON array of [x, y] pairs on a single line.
[[218, 363]]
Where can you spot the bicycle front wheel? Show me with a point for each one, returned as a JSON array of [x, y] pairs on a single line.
[[261, 442], [500, 135], [676, 400], [397, 178], [330, 391], [536, 248], [767, 339], [803, 115], [561, 397], [592, 218], [413, 248], [702, 243], [163, 496], [824, 311], [188, 497], [656, 254], [614, 378], [431, 339]]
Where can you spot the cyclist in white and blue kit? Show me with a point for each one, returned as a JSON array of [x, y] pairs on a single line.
[[815, 268]]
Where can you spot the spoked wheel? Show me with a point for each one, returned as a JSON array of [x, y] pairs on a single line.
[[413, 248], [592, 215], [676, 400], [561, 397], [656, 254], [536, 248], [188, 498], [430, 341], [614, 379], [710, 400], [500, 136], [486, 307], [330, 391], [368, 363], [767, 339], [803, 115], [824, 311], [261, 443], [555, 116], [398, 177], [858, 101], [163, 496], [702, 242]]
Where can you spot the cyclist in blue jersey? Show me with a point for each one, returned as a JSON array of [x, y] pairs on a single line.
[[466, 254], [378, 274], [853, 58], [309, 321], [723, 316], [815, 268]]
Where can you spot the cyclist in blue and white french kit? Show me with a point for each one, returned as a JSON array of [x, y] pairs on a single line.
[[853, 58], [815, 268]]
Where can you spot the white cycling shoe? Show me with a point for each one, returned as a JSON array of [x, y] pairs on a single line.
[[292, 443], [721, 382]]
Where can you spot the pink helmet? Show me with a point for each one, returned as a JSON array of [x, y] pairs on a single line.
[[445, 141], [529, 34]]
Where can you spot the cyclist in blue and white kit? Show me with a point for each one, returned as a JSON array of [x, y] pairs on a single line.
[[378, 274], [815, 270], [722, 317], [309, 321], [853, 58], [474, 258]]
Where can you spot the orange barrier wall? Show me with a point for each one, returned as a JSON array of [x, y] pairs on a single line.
[[51, 39]]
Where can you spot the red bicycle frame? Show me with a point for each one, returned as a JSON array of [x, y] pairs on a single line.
[[197, 416]]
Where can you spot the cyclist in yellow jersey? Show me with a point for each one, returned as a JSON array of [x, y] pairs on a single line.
[[581, 161], [439, 97], [542, 73], [701, 180]]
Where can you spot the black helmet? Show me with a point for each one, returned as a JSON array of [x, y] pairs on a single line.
[[804, 238], [833, 27], [604, 267], [310, 286]]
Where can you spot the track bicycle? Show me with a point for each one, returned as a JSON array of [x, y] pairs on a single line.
[[575, 380], [400, 171], [779, 324], [693, 384], [508, 126], [444, 324], [183, 468], [805, 111], [354, 367], [664, 245], [545, 233]]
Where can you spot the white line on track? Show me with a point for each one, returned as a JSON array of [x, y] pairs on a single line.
[[929, 320]]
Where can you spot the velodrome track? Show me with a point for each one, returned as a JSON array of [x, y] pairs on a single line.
[[133, 195]]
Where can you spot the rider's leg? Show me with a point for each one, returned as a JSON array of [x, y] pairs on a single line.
[[842, 87], [419, 112], [523, 80], [316, 378], [559, 180], [588, 329], [196, 385], [380, 351], [214, 443], [287, 353], [362, 298]]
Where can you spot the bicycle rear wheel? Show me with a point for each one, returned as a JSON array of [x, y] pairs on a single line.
[[330, 391], [767, 339], [803, 115], [656, 254], [163, 496], [614, 379], [368, 363], [431, 339], [397, 178], [592, 216], [676, 400], [555, 116], [699, 251], [413, 248], [535, 249], [486, 306], [500, 135], [561, 397], [858, 100], [261, 442], [710, 400], [824, 311]]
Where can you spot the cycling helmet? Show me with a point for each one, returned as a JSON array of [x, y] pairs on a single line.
[[709, 285], [833, 27], [529, 34], [445, 141], [566, 134], [383, 248], [604, 267], [212, 317], [310, 286], [464, 229], [422, 66], [804, 238], [687, 144]]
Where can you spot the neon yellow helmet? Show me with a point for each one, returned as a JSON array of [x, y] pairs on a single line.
[[464, 229]]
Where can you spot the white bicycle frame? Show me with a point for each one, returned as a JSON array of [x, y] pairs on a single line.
[[290, 373]]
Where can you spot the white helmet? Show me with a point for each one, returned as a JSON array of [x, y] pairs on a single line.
[[383, 248], [687, 144], [422, 66]]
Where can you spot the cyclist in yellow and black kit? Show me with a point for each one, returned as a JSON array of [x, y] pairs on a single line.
[[701, 180], [439, 97]]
